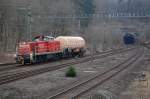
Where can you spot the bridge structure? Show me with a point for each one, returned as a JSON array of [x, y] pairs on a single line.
[[97, 15], [112, 13]]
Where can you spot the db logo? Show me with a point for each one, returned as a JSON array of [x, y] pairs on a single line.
[[41, 46]]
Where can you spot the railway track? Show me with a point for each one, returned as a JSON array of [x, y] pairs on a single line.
[[21, 75], [81, 87], [6, 64], [13, 66], [10, 66]]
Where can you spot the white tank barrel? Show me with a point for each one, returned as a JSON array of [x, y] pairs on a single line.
[[71, 42]]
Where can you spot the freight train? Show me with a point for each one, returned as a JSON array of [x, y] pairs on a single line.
[[44, 48]]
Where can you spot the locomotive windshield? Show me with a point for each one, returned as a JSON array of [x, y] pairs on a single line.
[[43, 38], [48, 38]]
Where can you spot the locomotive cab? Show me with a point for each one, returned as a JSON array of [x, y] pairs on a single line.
[[23, 53], [43, 38]]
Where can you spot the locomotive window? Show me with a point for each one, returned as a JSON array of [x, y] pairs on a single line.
[[47, 38]]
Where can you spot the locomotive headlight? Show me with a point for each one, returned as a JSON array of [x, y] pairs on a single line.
[[31, 56], [15, 55]]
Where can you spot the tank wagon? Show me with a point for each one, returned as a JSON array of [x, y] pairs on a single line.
[[71, 45], [129, 39], [44, 48]]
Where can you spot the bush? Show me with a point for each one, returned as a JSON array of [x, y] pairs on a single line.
[[71, 72]]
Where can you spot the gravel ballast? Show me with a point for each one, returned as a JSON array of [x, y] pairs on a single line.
[[42, 86]]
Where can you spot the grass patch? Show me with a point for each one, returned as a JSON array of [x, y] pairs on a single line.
[[71, 72]]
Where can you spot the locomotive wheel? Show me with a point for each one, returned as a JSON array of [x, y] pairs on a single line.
[[81, 54], [22, 62], [73, 54]]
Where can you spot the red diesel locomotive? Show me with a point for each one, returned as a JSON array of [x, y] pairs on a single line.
[[44, 48]]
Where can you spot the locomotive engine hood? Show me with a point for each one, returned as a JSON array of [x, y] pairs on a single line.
[[23, 48]]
